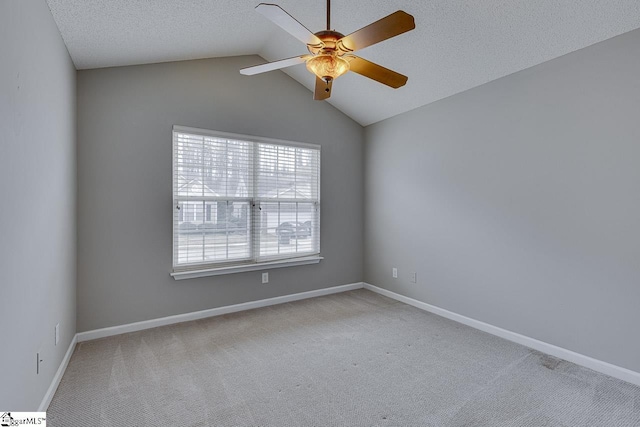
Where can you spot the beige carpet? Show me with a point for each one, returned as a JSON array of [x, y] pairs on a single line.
[[351, 359]]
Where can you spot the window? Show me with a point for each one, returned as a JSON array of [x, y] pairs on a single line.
[[241, 201]]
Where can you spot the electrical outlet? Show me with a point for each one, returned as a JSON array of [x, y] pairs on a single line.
[[57, 333], [413, 277], [265, 277], [394, 273]]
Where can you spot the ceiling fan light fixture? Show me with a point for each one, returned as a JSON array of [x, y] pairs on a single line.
[[328, 66]]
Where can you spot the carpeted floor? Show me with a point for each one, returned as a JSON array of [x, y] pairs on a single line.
[[350, 359]]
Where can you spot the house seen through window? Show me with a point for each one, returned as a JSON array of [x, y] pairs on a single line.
[[243, 200]]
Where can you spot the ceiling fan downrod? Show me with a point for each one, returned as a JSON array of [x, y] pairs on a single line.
[[328, 15]]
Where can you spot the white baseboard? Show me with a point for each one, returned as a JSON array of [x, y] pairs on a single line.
[[186, 317], [58, 376], [618, 372]]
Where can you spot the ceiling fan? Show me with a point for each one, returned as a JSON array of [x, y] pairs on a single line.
[[331, 53]]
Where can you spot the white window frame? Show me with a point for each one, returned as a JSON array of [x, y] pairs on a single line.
[[210, 269]]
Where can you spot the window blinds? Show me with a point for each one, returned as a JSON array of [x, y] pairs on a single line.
[[242, 200]]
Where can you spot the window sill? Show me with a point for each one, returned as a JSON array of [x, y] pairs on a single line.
[[181, 275]]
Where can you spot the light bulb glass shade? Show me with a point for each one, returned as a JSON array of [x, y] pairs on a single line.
[[328, 65]]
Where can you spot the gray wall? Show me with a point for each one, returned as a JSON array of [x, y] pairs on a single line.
[[517, 202], [38, 175], [125, 118]]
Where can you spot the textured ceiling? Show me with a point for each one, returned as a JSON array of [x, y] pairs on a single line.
[[456, 44]]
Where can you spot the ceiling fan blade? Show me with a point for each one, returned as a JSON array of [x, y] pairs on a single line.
[[323, 89], [390, 26], [377, 72], [276, 65], [278, 16]]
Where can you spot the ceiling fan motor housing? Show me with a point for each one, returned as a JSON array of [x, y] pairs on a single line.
[[329, 40]]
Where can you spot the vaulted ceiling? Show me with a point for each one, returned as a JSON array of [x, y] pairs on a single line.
[[457, 44]]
